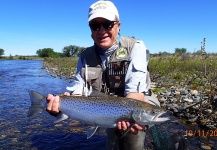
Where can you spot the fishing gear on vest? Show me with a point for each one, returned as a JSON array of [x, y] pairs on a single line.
[[110, 80]]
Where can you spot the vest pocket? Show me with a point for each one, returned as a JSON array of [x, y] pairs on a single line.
[[94, 77], [116, 73]]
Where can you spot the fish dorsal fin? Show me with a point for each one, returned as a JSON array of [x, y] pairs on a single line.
[[91, 131], [60, 117]]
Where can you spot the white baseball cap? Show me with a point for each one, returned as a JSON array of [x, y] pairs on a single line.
[[103, 9]]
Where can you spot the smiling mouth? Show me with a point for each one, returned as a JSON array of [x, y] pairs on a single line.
[[103, 38]]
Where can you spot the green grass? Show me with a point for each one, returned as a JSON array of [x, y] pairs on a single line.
[[191, 72], [65, 66]]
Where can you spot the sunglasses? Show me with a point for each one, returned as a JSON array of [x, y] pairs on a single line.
[[108, 25]]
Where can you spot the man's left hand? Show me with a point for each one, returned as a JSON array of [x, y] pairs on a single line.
[[124, 125]]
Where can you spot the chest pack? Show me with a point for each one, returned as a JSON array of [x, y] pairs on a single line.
[[112, 78]]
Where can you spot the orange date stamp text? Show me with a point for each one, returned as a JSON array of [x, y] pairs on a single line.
[[204, 133]]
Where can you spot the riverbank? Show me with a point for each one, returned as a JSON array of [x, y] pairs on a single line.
[[16, 57], [61, 67]]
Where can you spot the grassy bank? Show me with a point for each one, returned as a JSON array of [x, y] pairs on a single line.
[[62, 67], [193, 72]]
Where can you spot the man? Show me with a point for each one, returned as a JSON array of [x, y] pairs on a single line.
[[117, 66]]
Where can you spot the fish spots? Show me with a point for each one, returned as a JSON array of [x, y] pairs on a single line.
[[106, 111]]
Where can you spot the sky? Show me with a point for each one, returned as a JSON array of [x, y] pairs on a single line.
[[29, 25]]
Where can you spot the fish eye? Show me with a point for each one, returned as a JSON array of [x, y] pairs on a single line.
[[153, 112]]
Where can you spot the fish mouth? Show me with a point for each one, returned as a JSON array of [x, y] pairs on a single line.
[[158, 119]]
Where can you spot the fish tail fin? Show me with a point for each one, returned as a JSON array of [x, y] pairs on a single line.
[[36, 103]]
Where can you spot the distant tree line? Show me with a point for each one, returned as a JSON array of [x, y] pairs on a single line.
[[73, 51], [68, 51]]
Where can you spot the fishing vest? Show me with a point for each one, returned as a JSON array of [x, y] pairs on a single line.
[[110, 80]]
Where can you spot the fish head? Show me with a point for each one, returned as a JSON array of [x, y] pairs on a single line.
[[149, 116]]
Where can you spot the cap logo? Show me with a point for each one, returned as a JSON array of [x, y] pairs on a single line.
[[100, 6], [103, 9]]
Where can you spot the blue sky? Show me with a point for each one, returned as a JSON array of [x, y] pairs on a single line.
[[29, 25]]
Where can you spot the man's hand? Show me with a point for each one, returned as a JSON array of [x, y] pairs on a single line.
[[53, 104], [124, 125]]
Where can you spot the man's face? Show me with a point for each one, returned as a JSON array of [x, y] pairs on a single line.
[[104, 32]]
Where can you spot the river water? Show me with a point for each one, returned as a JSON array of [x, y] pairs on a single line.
[[17, 131]]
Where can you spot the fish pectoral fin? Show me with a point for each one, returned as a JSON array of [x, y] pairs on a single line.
[[91, 131], [60, 117]]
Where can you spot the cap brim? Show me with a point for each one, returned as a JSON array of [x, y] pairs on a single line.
[[107, 16]]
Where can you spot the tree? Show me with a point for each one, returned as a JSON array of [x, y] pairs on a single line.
[[180, 51], [72, 50], [67, 51], [46, 52], [1, 52]]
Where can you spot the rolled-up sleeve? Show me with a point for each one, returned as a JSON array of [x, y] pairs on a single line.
[[137, 78], [77, 85]]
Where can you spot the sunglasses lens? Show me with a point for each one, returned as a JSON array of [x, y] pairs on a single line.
[[95, 26], [108, 25]]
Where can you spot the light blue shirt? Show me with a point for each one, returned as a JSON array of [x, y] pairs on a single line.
[[137, 77]]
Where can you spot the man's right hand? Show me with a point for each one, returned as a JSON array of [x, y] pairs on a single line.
[[53, 104]]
